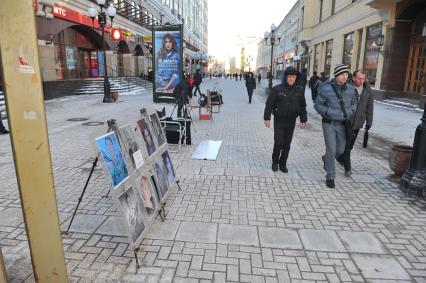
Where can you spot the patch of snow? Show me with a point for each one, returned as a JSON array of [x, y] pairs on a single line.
[[385, 102]]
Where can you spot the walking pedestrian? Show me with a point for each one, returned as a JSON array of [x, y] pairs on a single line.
[[336, 102], [304, 79], [323, 78], [363, 115], [250, 85], [287, 102], [259, 77], [197, 82], [313, 86], [182, 93], [191, 83]]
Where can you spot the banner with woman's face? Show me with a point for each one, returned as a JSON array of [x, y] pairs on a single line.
[[167, 61]]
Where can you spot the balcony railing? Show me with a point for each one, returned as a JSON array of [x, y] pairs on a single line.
[[136, 13]]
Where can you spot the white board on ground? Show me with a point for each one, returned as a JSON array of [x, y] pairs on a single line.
[[207, 150]]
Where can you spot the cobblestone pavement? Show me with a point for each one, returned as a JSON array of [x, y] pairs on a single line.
[[234, 220]]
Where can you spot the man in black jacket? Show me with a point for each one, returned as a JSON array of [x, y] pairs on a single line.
[[313, 86], [250, 85], [197, 82], [182, 93], [286, 101]]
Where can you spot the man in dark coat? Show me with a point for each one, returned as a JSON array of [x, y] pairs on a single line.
[[250, 85], [363, 114], [182, 92], [323, 78], [304, 78], [313, 86], [331, 98], [259, 77], [198, 79], [287, 102]]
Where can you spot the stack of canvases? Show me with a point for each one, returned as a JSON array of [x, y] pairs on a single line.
[[138, 163]]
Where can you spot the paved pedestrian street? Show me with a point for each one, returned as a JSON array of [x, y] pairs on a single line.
[[234, 219]]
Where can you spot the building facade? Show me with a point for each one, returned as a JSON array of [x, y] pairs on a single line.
[[284, 53], [70, 44], [386, 38], [287, 49]]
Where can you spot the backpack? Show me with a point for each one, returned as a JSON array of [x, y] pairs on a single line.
[[202, 100]]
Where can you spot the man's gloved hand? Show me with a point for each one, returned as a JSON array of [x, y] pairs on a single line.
[[367, 127]]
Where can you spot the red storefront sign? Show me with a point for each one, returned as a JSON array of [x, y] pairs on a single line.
[[74, 16], [70, 15]]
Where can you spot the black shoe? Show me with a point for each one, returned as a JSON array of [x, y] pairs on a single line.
[[4, 132], [275, 167], [340, 161], [284, 169], [330, 183]]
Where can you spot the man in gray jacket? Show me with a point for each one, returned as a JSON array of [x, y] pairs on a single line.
[[363, 114], [328, 106]]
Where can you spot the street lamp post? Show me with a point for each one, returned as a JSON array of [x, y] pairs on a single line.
[[102, 19], [274, 39], [414, 179]]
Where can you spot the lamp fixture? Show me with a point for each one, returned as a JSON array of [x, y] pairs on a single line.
[[379, 45]]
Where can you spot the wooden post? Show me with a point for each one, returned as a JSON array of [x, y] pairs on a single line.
[[30, 144]]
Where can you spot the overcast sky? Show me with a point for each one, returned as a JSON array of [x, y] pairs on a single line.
[[229, 19]]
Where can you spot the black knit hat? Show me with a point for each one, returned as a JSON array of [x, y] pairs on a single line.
[[291, 71], [340, 69]]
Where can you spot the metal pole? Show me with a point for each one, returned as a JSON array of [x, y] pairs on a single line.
[[30, 144], [272, 56], [107, 93], [414, 177]]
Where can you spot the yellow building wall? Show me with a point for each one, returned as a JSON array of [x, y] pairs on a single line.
[[349, 17]]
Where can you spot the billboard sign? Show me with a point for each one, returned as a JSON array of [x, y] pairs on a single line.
[[167, 61]]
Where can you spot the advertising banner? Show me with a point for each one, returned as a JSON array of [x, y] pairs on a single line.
[[167, 61]]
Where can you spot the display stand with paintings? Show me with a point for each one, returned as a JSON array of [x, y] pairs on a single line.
[[155, 141], [138, 163], [112, 126]]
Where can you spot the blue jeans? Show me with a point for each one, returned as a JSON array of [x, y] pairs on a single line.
[[335, 141]]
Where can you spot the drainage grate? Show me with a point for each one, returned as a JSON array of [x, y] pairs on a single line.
[[77, 119], [92, 124]]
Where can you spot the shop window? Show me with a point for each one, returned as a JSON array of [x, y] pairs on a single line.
[[372, 52], [348, 48], [75, 56], [328, 56]]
